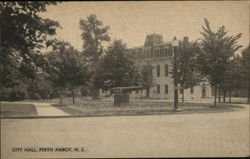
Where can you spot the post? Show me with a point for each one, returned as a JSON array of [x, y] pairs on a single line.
[[141, 94], [183, 91], [175, 44], [215, 94], [224, 96], [219, 94], [230, 96], [248, 96]]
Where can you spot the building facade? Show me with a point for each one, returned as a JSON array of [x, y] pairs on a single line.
[[159, 54]]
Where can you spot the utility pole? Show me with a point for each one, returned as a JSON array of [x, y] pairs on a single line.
[[175, 45]]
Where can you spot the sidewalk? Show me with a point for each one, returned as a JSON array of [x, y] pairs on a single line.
[[45, 109]]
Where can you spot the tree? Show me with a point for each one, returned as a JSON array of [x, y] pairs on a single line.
[[147, 81], [23, 31], [68, 70], [246, 70], [213, 59], [93, 36], [233, 75], [187, 77], [116, 69]]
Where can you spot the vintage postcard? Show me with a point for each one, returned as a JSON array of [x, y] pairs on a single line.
[[124, 79]]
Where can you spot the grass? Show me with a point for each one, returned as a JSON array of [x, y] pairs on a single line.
[[16, 110], [102, 108]]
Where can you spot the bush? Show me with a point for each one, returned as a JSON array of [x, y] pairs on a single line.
[[13, 94], [36, 96]]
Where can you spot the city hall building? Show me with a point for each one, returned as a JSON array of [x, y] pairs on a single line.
[[159, 54]]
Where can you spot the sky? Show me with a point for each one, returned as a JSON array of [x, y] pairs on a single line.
[[132, 21]]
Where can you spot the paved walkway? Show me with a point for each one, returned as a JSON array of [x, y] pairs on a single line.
[[46, 109]]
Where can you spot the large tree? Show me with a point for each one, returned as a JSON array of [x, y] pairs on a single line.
[[117, 68], [246, 70], [187, 77], [94, 34], [233, 75], [23, 32], [67, 69], [217, 49]]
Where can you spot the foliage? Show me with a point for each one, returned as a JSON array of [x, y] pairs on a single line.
[[214, 58], [146, 75], [245, 69], [187, 77], [23, 32], [67, 69], [116, 69], [217, 48], [94, 33]]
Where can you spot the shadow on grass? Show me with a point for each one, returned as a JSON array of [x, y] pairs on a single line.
[[16, 110]]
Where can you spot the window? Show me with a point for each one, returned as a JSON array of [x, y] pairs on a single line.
[[166, 69], [162, 52], [151, 53], [158, 89], [166, 89], [158, 70], [181, 91], [192, 90], [158, 52], [140, 54], [166, 52], [170, 52]]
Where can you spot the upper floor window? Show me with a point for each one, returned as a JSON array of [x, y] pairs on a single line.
[[170, 52], [181, 91], [162, 52], [158, 89], [192, 90], [166, 69], [158, 70], [166, 51], [166, 89]]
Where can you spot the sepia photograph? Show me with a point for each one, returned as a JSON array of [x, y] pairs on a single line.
[[124, 79]]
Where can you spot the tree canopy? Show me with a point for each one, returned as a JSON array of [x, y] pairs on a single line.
[[23, 33], [116, 69], [216, 50], [93, 34]]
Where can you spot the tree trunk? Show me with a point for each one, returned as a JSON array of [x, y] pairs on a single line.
[[73, 95], [141, 94], [219, 95], [248, 96], [215, 95], [230, 96], [61, 91], [224, 96], [183, 96]]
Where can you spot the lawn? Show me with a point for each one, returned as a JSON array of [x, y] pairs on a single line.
[[87, 107], [16, 110]]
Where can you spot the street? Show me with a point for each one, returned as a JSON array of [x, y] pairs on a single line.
[[183, 135]]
